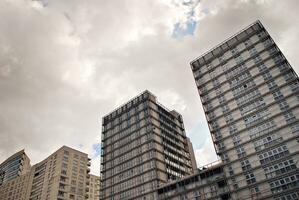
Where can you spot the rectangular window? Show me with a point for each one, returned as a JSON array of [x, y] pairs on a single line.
[[273, 154], [280, 168], [285, 183]]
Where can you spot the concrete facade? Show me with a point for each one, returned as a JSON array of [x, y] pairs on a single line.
[[144, 145], [250, 95], [16, 165], [209, 182], [94, 187], [63, 175]]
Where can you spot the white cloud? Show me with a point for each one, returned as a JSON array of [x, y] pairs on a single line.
[[206, 154]]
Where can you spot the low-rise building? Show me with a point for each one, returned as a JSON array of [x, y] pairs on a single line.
[[206, 183]]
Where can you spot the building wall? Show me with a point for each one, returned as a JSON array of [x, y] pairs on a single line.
[[16, 165], [63, 175], [206, 183], [94, 188], [250, 95], [143, 146], [192, 155], [15, 189]]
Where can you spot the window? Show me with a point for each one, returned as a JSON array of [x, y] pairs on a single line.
[[252, 106], [236, 140], [221, 99], [225, 157], [229, 118], [279, 168], [273, 154], [241, 151], [262, 67], [289, 76], [225, 108], [295, 129], [245, 165], [285, 183], [277, 95], [267, 42], [255, 117], [283, 105], [289, 196], [230, 170], [267, 141], [234, 51], [294, 86], [233, 129], [267, 76], [239, 59], [289, 117], [253, 51], [278, 59], [271, 85], [257, 59], [250, 178], [247, 42]]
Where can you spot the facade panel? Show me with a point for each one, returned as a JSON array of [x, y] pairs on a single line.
[[250, 97], [144, 145]]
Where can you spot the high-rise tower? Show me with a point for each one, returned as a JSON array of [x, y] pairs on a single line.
[[16, 165], [144, 145], [63, 175], [250, 95]]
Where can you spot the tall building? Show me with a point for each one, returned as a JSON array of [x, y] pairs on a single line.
[[63, 175], [14, 166], [94, 187], [144, 145], [250, 95], [15, 189]]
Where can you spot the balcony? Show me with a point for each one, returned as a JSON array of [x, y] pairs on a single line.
[[88, 163]]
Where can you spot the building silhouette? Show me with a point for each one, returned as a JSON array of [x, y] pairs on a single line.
[[62, 175], [144, 145], [250, 96]]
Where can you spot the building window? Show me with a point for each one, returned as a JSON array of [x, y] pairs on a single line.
[[250, 178], [236, 140], [289, 117], [245, 165], [280, 168], [241, 151], [285, 183], [273, 154], [289, 196], [277, 95], [283, 105]]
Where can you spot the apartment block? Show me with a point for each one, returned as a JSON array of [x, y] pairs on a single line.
[[16, 165], [250, 96], [208, 182], [94, 187], [144, 145], [15, 189], [62, 175]]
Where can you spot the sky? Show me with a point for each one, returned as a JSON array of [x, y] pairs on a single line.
[[65, 64]]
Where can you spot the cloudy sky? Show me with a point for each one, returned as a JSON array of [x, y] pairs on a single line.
[[66, 63]]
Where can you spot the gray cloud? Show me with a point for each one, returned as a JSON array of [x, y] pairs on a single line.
[[66, 64]]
